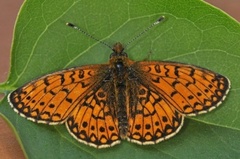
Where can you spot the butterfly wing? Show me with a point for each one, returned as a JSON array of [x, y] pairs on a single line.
[[162, 93], [94, 122], [152, 118], [191, 90], [50, 99], [81, 96]]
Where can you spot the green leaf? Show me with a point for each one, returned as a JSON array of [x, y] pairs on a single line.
[[193, 32]]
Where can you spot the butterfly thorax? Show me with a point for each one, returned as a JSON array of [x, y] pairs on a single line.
[[119, 64]]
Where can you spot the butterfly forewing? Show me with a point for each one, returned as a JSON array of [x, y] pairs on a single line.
[[191, 90], [52, 98]]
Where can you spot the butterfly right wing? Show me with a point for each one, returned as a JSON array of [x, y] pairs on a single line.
[[190, 89], [162, 93], [152, 118]]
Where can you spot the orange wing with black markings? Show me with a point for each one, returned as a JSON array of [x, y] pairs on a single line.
[[166, 92], [78, 96], [152, 119], [94, 122], [50, 99], [191, 90]]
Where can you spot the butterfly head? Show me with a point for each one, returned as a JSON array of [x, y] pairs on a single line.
[[118, 58], [118, 51]]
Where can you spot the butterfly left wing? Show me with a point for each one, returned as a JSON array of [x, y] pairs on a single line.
[[51, 98], [93, 122], [80, 96]]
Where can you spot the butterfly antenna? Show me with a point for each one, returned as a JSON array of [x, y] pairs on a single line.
[[87, 34], [146, 30]]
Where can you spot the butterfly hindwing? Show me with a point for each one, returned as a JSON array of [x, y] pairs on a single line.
[[93, 121], [152, 119]]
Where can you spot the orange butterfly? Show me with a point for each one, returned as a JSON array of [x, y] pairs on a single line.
[[144, 102]]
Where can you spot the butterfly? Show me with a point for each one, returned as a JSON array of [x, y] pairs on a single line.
[[144, 102]]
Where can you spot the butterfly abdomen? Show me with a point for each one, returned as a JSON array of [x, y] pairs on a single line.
[[119, 70], [122, 111]]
